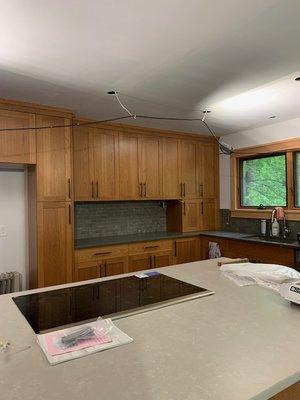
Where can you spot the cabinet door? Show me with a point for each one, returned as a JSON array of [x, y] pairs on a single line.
[[191, 215], [17, 146], [83, 163], [209, 170], [115, 266], [139, 262], [162, 259], [170, 168], [149, 166], [188, 165], [210, 210], [53, 160], [106, 179], [87, 270], [128, 167], [55, 244], [187, 250]]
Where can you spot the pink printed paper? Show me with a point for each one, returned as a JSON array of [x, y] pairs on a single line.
[[52, 340]]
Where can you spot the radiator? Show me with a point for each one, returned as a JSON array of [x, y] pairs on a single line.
[[10, 282]]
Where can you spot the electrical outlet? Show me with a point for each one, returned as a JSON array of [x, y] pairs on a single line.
[[3, 230]]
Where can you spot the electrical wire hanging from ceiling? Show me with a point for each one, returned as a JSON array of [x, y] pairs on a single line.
[[224, 148]]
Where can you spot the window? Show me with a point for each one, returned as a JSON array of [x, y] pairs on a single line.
[[264, 181], [297, 178]]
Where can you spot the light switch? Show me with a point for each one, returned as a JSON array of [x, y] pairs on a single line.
[[3, 230]]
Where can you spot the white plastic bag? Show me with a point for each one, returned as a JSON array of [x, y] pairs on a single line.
[[270, 276]]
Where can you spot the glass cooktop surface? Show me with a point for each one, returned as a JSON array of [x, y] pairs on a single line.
[[114, 298]]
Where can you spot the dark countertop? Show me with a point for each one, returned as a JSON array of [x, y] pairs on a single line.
[[252, 238], [145, 237], [135, 238]]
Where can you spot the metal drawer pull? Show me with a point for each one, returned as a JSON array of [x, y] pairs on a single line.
[[100, 254], [69, 188], [201, 189], [151, 247]]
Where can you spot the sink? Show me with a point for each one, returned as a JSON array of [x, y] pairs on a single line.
[[273, 239]]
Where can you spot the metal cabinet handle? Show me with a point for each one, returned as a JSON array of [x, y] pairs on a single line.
[[100, 254], [184, 208], [69, 188], [141, 189], [145, 189], [69, 214], [184, 189], [202, 208], [153, 263], [97, 189], [175, 249], [201, 190], [93, 189], [181, 189]]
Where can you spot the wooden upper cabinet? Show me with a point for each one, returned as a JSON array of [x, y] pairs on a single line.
[[130, 187], [83, 163], [53, 159], [149, 166], [55, 243], [170, 168], [208, 155], [17, 146], [105, 164], [188, 168]]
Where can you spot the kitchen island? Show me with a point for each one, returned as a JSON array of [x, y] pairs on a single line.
[[239, 344]]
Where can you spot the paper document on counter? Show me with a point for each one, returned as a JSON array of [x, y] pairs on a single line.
[[114, 338]]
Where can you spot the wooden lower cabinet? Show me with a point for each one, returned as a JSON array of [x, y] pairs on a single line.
[[255, 252], [139, 262], [115, 266], [187, 250], [162, 259], [54, 243], [87, 270], [291, 393], [100, 268]]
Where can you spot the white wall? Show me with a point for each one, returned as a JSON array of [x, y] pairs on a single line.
[[265, 134], [13, 214]]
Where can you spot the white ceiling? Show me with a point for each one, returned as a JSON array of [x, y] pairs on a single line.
[[165, 57]]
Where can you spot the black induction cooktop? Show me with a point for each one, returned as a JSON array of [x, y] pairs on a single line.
[[115, 298]]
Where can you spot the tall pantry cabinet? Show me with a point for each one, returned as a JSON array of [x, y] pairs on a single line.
[[54, 194]]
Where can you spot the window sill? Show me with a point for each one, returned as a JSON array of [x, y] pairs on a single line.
[[292, 215]]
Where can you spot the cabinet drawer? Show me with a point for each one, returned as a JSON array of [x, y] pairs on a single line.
[[154, 246], [100, 253]]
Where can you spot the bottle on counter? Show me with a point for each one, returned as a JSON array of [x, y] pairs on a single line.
[[275, 228], [263, 227]]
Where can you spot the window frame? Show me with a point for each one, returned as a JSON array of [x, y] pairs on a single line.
[[241, 183], [288, 147], [295, 186]]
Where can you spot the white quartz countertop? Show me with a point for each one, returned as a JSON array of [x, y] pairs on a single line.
[[241, 343]]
